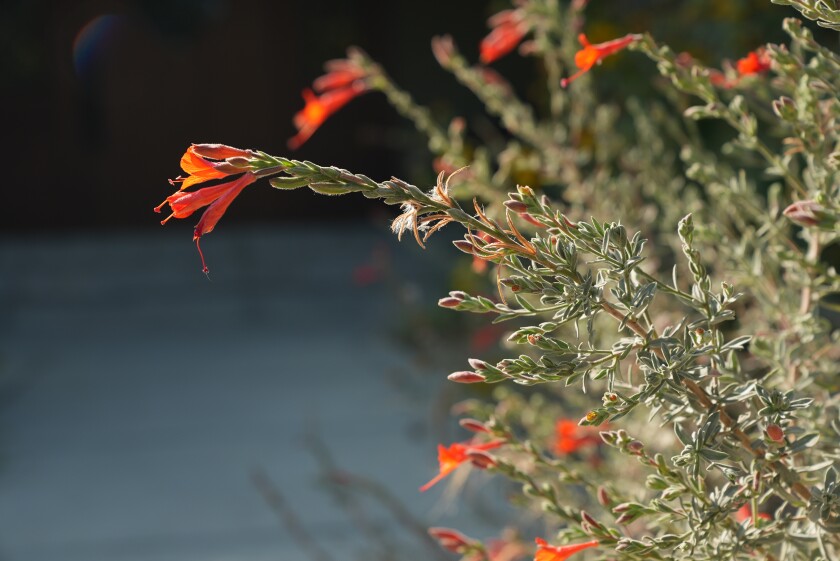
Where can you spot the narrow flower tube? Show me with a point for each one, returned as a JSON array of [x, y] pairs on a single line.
[[205, 162], [547, 552], [590, 55], [216, 198]]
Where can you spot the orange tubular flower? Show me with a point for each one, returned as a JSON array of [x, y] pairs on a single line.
[[456, 454], [343, 81], [200, 169], [508, 31], [590, 55], [570, 437], [216, 198], [755, 62], [547, 552]]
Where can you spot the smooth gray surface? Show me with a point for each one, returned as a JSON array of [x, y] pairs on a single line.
[[137, 395]]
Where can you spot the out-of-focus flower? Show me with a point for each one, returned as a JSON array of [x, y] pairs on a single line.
[[452, 540], [569, 437], [590, 55], [756, 62], [806, 213], [196, 161], [318, 108], [449, 458], [744, 514], [547, 552], [344, 80], [508, 30]]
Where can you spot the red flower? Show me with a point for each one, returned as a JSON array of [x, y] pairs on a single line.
[[547, 552], [457, 453], [587, 57], [745, 513], [571, 437], [216, 198], [755, 62], [508, 31], [343, 81]]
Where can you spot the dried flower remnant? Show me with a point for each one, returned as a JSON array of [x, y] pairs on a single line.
[[547, 552], [508, 30], [196, 161], [453, 456], [590, 55]]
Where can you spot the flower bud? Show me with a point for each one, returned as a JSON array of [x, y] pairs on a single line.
[[449, 302], [806, 213], [466, 377], [477, 363], [220, 151], [473, 425], [603, 496], [589, 520], [481, 459], [443, 48], [464, 246], [635, 447], [775, 433], [451, 540], [516, 206]]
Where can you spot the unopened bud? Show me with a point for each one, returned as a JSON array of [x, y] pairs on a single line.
[[481, 459], [478, 364], [534, 339], [464, 246], [623, 507], [775, 433], [806, 213], [443, 48], [635, 447], [451, 540], [589, 520], [449, 302], [466, 377], [473, 425], [220, 151], [591, 416], [603, 496], [516, 206]]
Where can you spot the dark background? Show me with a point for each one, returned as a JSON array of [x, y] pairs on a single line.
[[101, 97]]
